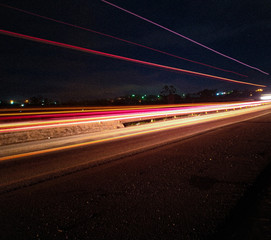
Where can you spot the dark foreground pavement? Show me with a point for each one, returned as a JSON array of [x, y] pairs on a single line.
[[212, 186]]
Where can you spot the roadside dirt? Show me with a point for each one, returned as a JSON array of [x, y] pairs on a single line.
[[55, 132]]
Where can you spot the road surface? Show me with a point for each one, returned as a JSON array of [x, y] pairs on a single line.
[[192, 188], [17, 169]]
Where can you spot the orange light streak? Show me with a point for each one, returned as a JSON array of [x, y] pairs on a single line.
[[25, 126], [120, 39], [191, 121], [81, 49]]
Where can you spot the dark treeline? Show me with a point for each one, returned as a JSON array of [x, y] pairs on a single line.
[[167, 95]]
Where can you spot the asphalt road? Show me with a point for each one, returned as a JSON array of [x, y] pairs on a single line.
[[213, 185], [17, 169]]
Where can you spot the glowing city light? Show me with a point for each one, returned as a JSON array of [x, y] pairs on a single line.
[[265, 97]]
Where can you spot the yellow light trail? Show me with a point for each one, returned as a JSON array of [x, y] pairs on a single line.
[[191, 121]]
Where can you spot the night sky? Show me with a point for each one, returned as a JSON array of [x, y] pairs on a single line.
[[240, 29]]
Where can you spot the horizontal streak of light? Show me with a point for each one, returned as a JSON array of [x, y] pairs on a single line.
[[61, 123], [144, 113], [189, 39], [109, 114], [98, 108], [44, 110], [120, 39], [81, 110], [191, 121], [64, 45], [81, 115], [66, 114], [59, 110], [118, 116], [266, 97]]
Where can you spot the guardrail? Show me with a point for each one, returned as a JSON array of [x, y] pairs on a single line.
[[122, 116]]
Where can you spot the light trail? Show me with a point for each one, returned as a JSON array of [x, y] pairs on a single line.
[[180, 35], [127, 116], [44, 110], [34, 113], [50, 150], [81, 49], [93, 114], [120, 39], [144, 130]]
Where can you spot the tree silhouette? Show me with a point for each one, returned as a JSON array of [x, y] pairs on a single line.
[[207, 93], [168, 90]]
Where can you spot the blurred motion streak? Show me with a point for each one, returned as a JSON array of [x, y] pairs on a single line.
[[149, 128], [189, 39], [81, 49], [23, 122], [120, 39]]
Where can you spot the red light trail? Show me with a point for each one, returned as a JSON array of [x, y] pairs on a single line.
[[180, 35], [28, 122], [120, 39], [81, 49], [145, 112]]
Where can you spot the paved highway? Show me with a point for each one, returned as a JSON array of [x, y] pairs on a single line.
[[187, 188], [19, 168]]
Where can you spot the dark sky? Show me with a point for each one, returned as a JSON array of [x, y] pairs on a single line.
[[240, 29]]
